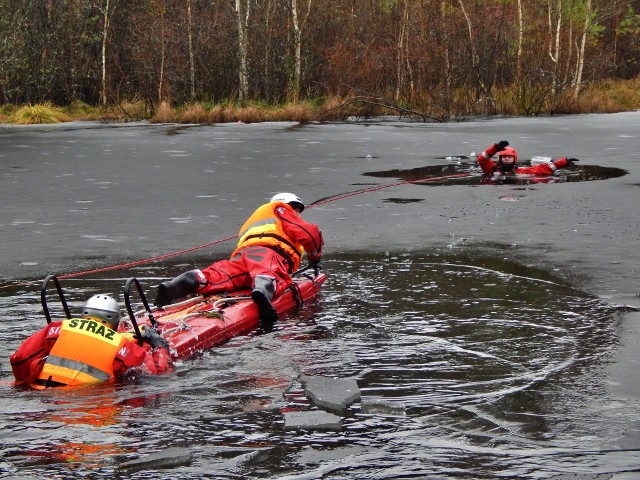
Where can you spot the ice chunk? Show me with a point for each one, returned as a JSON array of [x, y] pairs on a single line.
[[169, 458], [331, 393], [314, 420]]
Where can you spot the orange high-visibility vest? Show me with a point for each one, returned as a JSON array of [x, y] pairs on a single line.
[[264, 228], [83, 354]]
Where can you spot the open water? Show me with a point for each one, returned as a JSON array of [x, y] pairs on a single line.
[[481, 368]]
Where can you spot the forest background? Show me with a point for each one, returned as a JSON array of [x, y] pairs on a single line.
[[252, 60]]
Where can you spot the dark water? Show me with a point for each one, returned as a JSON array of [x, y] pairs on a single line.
[[465, 165], [488, 370]]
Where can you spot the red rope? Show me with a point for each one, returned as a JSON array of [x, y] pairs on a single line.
[[146, 260], [173, 254], [380, 187]]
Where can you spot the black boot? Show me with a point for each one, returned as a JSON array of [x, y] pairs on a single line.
[[177, 288], [262, 294]]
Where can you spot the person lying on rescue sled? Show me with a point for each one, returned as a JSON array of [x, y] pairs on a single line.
[[507, 163], [87, 350], [271, 244]]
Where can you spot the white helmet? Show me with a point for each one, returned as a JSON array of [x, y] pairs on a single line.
[[104, 309], [289, 198]]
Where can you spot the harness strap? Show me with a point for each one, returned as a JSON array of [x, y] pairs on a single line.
[[283, 253], [297, 295]]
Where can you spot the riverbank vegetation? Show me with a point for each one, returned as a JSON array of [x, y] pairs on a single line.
[[196, 61]]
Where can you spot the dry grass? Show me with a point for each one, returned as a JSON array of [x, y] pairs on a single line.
[[607, 97], [164, 114], [296, 112], [217, 114], [248, 114], [118, 112], [133, 110], [231, 113], [194, 113], [604, 97], [7, 109], [42, 113]]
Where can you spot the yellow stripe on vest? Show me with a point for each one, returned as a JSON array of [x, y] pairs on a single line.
[[83, 353]]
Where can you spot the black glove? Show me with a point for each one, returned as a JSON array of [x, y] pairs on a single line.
[[153, 338], [571, 161], [316, 264], [501, 145]]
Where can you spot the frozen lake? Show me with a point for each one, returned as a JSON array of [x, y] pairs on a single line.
[[490, 317]]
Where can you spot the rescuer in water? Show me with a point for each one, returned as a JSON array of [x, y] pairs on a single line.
[[507, 163], [87, 350]]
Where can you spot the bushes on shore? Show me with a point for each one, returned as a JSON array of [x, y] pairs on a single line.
[[607, 97]]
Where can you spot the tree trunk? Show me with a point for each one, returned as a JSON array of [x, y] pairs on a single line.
[[475, 58], [520, 35], [192, 68], [472, 43], [242, 18], [403, 54], [162, 52], [581, 50], [297, 48], [298, 28], [569, 70], [105, 33], [267, 50], [448, 97], [555, 24]]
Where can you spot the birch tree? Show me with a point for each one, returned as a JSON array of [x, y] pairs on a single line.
[[163, 49], [192, 67], [105, 35], [520, 37], [403, 63], [243, 13], [298, 28], [448, 88], [555, 29]]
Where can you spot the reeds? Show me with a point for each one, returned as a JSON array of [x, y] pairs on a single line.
[[234, 113], [604, 97]]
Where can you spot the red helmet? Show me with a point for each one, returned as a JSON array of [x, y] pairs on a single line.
[[508, 151]]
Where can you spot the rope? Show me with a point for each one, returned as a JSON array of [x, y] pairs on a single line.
[[381, 187], [143, 261], [192, 249]]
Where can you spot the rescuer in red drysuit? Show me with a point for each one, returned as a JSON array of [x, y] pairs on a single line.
[[507, 163], [87, 350], [271, 244]]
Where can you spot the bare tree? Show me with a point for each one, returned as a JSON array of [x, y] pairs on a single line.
[[298, 28], [403, 64], [192, 67], [555, 30], [447, 55], [520, 36], [105, 35], [243, 13], [475, 57]]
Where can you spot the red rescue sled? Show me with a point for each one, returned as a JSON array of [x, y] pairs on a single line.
[[201, 323]]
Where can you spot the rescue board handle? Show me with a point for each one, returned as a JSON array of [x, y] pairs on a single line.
[[43, 297], [127, 302]]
